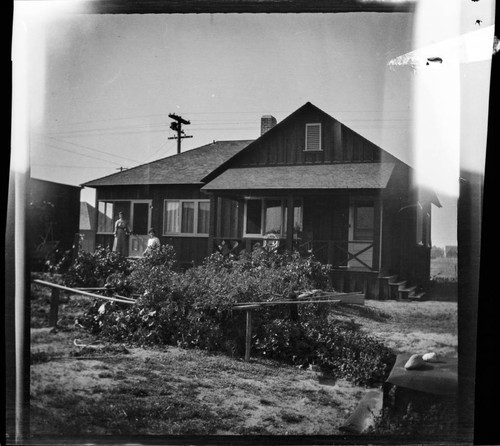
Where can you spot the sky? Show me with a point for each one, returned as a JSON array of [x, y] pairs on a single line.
[[100, 87]]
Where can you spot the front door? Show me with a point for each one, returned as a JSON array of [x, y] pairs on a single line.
[[361, 228], [140, 224]]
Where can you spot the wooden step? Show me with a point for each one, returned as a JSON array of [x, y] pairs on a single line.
[[384, 290], [417, 296], [394, 288], [389, 279], [405, 293]]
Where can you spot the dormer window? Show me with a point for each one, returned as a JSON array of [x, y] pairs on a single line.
[[313, 137]]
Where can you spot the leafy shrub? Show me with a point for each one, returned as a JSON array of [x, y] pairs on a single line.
[[193, 309], [59, 261], [92, 269], [337, 349]]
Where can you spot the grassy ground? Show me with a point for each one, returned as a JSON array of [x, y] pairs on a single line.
[[115, 389], [444, 268]]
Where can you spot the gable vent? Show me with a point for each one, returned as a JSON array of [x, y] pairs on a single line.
[[313, 137]]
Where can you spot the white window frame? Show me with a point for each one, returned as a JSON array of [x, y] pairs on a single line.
[[319, 149], [112, 200], [195, 218], [263, 216]]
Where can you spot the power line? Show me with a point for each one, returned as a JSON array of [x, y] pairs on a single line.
[[81, 154], [89, 148], [69, 167], [256, 112]]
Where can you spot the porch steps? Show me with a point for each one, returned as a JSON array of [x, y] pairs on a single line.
[[405, 293], [390, 287], [417, 296], [384, 287], [394, 288]]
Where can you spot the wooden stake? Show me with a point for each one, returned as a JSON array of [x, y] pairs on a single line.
[[54, 307], [248, 342]]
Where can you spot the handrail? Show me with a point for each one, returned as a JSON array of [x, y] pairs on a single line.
[[314, 246]]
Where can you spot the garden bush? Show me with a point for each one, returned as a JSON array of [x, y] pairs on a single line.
[[193, 309], [337, 349], [92, 269]]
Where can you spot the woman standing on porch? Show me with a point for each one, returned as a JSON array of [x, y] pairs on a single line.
[[122, 232]]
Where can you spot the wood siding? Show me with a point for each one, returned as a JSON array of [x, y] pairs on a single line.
[[188, 249], [57, 221], [285, 145]]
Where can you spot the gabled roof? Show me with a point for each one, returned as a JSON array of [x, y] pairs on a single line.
[[188, 167], [307, 107], [312, 176]]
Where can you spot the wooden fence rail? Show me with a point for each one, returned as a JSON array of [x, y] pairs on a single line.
[[54, 298], [356, 298]]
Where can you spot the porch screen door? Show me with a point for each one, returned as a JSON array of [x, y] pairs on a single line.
[[361, 230], [140, 226]]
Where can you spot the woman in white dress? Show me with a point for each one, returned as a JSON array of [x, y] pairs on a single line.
[[153, 242], [122, 231]]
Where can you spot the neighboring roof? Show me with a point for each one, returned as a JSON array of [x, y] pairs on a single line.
[[72, 186], [184, 168], [310, 176], [87, 214]]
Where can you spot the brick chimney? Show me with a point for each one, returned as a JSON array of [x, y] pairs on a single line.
[[267, 122]]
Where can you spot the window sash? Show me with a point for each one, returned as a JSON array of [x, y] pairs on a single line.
[[297, 217], [186, 217], [171, 217], [273, 216], [269, 216], [203, 217], [253, 217], [364, 221]]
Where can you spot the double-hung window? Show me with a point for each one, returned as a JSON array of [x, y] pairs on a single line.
[[186, 217], [264, 216]]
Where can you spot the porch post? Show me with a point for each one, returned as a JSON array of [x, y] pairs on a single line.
[[377, 234], [289, 223], [213, 224]]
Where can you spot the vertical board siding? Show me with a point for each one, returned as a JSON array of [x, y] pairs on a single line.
[[348, 146], [337, 142], [357, 154], [186, 248], [367, 151], [229, 218], [328, 142]]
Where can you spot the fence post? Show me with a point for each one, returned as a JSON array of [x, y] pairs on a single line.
[[294, 311], [76, 245], [248, 339], [54, 307]]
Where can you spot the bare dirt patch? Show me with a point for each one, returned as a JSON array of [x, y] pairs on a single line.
[[174, 391], [115, 389], [405, 326]]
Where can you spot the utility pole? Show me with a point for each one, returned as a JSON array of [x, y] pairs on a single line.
[[176, 126]]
